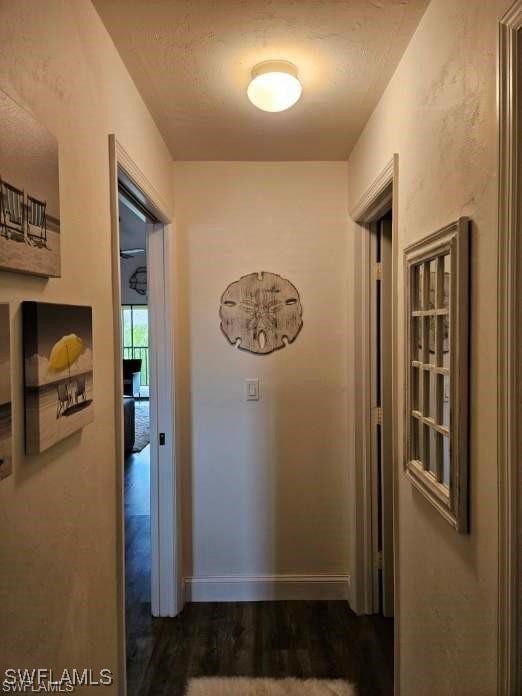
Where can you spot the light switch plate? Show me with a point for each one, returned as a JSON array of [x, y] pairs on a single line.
[[252, 389]]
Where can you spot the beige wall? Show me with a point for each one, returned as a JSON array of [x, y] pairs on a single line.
[[58, 511], [439, 114], [268, 479]]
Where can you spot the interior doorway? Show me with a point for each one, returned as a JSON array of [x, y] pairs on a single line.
[[161, 590], [375, 548], [134, 223], [381, 366], [135, 342]]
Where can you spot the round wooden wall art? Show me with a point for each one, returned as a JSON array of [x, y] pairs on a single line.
[[261, 312]]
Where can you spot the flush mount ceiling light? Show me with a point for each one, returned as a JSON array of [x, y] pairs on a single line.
[[274, 85]]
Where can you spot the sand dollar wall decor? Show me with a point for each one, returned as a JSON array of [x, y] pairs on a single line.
[[261, 312]]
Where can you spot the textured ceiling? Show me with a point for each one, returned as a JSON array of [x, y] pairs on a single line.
[[191, 61]]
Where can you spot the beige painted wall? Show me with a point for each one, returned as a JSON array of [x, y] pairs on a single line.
[[439, 114], [268, 479], [58, 511]]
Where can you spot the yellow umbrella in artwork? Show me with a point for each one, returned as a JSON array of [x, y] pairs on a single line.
[[65, 353]]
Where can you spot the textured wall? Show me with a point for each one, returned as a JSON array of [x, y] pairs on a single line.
[[58, 512], [268, 479], [439, 114]]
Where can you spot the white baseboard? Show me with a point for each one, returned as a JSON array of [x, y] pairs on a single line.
[[263, 588]]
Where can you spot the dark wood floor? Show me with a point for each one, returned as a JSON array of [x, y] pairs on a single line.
[[262, 639]]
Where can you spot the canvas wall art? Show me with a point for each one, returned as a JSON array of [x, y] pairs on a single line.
[[5, 393], [58, 372], [29, 193], [261, 312]]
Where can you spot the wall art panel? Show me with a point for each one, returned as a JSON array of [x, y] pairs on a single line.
[[58, 365], [29, 193], [261, 312], [5, 393]]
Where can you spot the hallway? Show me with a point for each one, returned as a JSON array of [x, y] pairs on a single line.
[[299, 639], [333, 390]]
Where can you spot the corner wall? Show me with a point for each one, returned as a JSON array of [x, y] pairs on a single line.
[[58, 511], [439, 114], [268, 480]]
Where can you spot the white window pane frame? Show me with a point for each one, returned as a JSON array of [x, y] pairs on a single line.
[[432, 418]]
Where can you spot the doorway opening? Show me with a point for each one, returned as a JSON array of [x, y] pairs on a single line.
[[134, 224], [135, 339], [375, 548], [136, 372], [381, 367], [149, 524]]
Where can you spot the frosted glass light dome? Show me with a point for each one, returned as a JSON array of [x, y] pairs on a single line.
[[274, 86]]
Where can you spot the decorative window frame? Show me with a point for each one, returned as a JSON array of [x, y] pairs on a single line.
[[450, 500]]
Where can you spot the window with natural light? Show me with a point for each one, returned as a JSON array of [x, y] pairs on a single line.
[[135, 337]]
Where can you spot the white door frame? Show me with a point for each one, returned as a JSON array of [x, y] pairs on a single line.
[[166, 580], [509, 359], [375, 202]]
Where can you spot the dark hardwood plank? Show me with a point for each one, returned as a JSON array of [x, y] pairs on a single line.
[[261, 639]]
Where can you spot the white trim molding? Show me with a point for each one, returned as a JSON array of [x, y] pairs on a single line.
[[154, 200], [377, 199], [509, 367], [263, 588]]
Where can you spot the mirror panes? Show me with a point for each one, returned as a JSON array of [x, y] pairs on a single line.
[[447, 278], [417, 287], [445, 461], [415, 388], [445, 401], [433, 451], [437, 379], [429, 384], [431, 268], [445, 341], [418, 339], [432, 326], [433, 395]]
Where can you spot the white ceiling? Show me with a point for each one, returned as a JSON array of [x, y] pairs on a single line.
[[191, 61]]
